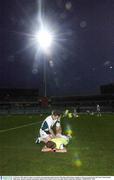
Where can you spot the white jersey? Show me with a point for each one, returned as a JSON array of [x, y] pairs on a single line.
[[48, 123], [98, 107]]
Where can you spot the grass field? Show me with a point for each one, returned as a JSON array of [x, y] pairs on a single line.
[[90, 152]]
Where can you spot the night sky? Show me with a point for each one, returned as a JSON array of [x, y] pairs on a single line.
[[82, 58]]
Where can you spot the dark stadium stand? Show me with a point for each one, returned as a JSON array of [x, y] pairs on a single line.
[[85, 103], [107, 89], [8, 95], [19, 101]]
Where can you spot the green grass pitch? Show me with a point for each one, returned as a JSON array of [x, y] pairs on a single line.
[[90, 152]]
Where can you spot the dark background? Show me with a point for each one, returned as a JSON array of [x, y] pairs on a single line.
[[81, 61]]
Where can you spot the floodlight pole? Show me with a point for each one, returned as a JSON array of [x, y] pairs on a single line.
[[45, 79]]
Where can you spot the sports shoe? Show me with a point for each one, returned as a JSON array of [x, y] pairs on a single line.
[[37, 141]]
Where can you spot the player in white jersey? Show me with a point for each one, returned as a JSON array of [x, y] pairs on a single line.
[[75, 113], [46, 130], [98, 110]]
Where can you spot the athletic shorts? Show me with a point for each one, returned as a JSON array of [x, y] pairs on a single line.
[[43, 134]]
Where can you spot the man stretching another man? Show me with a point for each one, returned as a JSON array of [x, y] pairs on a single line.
[[46, 130]]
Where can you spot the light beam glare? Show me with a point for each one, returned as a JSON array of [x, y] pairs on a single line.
[[77, 161], [30, 45], [40, 11], [68, 130], [44, 38]]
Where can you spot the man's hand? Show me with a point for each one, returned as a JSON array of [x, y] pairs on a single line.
[[52, 133]]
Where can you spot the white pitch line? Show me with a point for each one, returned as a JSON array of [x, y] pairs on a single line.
[[18, 127]]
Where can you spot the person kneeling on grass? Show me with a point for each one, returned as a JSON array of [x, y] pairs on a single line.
[[46, 130]]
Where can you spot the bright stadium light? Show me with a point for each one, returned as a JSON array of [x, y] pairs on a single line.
[[44, 38]]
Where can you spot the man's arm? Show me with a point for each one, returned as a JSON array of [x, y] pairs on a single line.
[[52, 133], [58, 128]]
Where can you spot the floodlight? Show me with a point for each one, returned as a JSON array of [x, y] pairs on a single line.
[[44, 38]]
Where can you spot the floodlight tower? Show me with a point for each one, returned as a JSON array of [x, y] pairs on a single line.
[[45, 40]]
